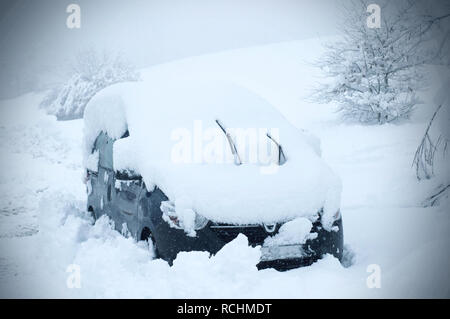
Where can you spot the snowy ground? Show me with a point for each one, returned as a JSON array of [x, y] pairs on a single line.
[[44, 227]]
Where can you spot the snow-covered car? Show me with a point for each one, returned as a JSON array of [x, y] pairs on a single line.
[[190, 166]]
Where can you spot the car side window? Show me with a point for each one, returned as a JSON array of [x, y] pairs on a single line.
[[106, 160], [128, 190], [127, 195], [126, 174], [104, 144], [127, 182]]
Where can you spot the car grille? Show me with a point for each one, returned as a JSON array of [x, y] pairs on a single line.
[[256, 234]]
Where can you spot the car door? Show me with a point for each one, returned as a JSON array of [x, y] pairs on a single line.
[[105, 182], [128, 188], [101, 179], [92, 187]]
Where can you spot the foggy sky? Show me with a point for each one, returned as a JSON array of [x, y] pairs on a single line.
[[36, 43]]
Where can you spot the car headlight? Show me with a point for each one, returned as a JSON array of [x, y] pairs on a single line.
[[337, 215], [200, 222], [170, 215]]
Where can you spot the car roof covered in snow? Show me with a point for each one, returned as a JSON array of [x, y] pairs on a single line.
[[175, 143]]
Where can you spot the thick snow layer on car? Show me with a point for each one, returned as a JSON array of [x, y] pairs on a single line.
[[176, 144]]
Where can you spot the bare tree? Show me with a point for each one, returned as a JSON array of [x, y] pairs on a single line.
[[376, 72], [431, 158], [426, 152]]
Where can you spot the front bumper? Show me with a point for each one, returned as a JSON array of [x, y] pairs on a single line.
[[282, 252], [284, 257], [287, 264], [293, 256], [170, 242]]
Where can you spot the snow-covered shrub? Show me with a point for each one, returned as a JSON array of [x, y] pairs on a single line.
[[375, 72], [91, 73]]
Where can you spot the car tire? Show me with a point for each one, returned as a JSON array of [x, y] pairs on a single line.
[[147, 235], [92, 213]]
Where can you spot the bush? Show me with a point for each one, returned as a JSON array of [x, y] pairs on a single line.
[[91, 72]]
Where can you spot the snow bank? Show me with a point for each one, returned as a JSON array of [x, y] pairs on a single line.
[[38, 154], [176, 144], [113, 266]]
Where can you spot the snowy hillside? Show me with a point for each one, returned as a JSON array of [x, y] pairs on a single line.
[[44, 227]]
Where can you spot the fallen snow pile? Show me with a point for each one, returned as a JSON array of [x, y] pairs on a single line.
[[38, 154], [163, 118], [113, 266], [110, 265]]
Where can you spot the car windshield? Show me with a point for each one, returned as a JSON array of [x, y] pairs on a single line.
[[281, 156]]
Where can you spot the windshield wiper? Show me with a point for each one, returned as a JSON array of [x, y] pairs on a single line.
[[237, 160], [281, 156]]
